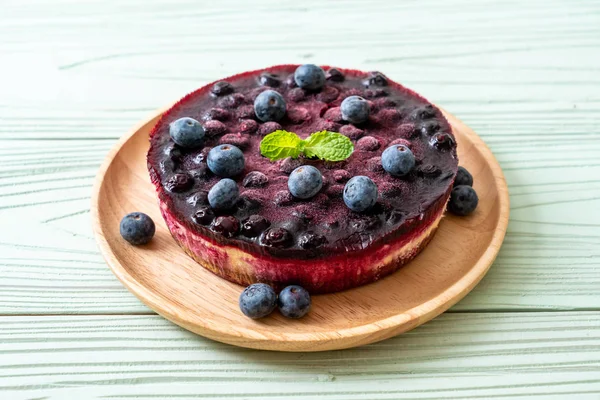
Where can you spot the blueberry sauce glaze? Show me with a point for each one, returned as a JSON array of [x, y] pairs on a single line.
[[397, 116]]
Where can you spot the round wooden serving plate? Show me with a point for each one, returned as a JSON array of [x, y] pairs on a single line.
[[162, 276]]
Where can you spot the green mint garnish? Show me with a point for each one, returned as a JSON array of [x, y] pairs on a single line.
[[281, 144], [325, 145]]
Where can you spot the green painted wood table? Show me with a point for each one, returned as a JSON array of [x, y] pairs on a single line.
[[76, 75]]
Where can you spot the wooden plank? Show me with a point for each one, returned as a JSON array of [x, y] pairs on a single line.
[[456, 356], [528, 85]]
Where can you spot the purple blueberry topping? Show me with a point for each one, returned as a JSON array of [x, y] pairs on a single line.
[[269, 106], [311, 240], [309, 77], [334, 75], [225, 160], [360, 193], [224, 194], [294, 302], [355, 109], [254, 225], [226, 225], [187, 132], [305, 182], [398, 160], [203, 216], [276, 237], [255, 179], [178, 183], [269, 79], [221, 88]]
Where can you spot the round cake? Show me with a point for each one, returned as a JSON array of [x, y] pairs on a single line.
[[271, 236]]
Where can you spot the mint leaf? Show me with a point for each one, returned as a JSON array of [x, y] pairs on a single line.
[[328, 146], [281, 144]]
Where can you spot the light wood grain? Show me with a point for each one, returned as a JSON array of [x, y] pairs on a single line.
[[75, 75], [466, 356], [172, 284]]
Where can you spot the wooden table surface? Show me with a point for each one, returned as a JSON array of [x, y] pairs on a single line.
[[76, 75]]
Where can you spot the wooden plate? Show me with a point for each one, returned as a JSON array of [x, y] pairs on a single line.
[[162, 276]]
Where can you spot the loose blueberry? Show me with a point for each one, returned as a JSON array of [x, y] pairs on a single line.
[[254, 225], [255, 179], [178, 183], [305, 182], [276, 237], [221, 88], [355, 109], [335, 75], [269, 106], [294, 302], [310, 240], [360, 193], [309, 76], [269, 79], [226, 225], [258, 300], [137, 228], [203, 216], [463, 177], [187, 132], [463, 200], [224, 194], [398, 160], [225, 160]]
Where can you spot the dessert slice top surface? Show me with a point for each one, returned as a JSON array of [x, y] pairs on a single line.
[[267, 218]]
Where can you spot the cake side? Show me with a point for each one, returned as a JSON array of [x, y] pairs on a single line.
[[325, 275]]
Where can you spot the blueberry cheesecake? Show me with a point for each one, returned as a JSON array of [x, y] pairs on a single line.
[[320, 177]]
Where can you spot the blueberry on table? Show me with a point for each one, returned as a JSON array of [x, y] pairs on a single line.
[[309, 76], [187, 132], [258, 300], [305, 182], [355, 109], [224, 194], [137, 228], [269, 106], [463, 200], [294, 302], [463, 177], [360, 193], [225, 160], [398, 160]]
